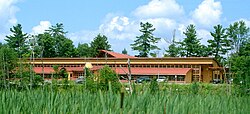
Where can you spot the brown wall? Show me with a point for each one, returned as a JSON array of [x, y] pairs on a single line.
[[207, 74], [188, 77]]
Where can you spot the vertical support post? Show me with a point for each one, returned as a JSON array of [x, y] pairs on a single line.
[[68, 75], [200, 74]]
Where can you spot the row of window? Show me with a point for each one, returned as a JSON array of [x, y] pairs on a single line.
[[133, 65]]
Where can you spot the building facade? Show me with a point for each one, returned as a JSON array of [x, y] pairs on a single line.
[[180, 70]]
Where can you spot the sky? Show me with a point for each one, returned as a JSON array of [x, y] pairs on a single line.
[[120, 20]]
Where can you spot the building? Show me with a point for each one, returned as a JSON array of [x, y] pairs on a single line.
[[181, 70]]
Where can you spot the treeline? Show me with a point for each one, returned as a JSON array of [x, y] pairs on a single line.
[[52, 43], [230, 46]]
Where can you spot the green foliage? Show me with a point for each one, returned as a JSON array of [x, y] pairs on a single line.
[[53, 43], [191, 46], [8, 60], [238, 33], [17, 40], [194, 88], [154, 87], [100, 42], [240, 66], [245, 49], [83, 50], [56, 71], [124, 51], [77, 101], [219, 44], [106, 76], [174, 49], [146, 42]]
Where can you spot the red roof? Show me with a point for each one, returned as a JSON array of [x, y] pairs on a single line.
[[50, 70], [117, 55], [153, 71]]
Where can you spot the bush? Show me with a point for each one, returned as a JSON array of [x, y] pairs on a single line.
[[106, 76]]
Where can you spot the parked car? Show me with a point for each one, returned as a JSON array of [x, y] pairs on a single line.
[[142, 79], [80, 80], [161, 79], [216, 81]]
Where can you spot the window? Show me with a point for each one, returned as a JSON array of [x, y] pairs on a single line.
[[180, 78]]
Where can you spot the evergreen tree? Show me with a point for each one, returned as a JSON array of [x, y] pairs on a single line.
[[124, 51], [100, 42], [17, 40], [219, 44], [146, 42], [191, 45]]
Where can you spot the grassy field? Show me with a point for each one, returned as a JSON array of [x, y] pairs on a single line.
[[74, 101]]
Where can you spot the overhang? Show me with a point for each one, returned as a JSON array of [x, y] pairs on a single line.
[[153, 71]]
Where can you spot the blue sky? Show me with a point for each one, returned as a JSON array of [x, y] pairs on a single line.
[[119, 19]]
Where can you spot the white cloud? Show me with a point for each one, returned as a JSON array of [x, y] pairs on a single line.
[[159, 8], [7, 14], [208, 13], [165, 15], [44, 25], [82, 36], [119, 27], [7, 17], [204, 35]]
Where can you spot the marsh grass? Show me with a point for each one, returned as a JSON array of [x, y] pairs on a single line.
[[76, 100]]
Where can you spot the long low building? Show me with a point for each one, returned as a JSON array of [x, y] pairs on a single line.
[[180, 70]]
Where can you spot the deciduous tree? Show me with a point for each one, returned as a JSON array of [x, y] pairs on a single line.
[[238, 33]]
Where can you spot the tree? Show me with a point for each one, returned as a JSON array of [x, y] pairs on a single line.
[[17, 40], [100, 42], [83, 50], [66, 48], [108, 76], [146, 42], [58, 34], [55, 44], [173, 49], [45, 46], [219, 44], [240, 66], [8, 61], [191, 45], [238, 33], [245, 49], [124, 51]]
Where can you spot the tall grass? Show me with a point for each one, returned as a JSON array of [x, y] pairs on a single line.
[[84, 102]]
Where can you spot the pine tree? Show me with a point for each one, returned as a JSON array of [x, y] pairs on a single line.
[[100, 42], [219, 44], [17, 40], [124, 51], [146, 42], [191, 45]]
